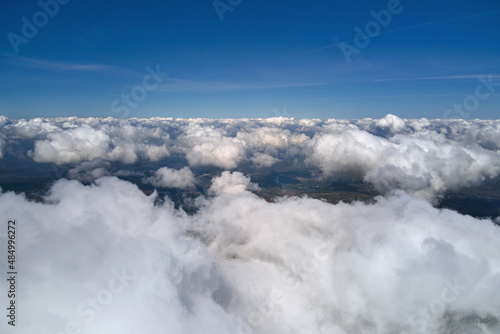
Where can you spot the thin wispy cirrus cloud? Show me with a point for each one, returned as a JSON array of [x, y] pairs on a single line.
[[415, 26], [202, 85], [60, 66], [199, 61], [445, 77]]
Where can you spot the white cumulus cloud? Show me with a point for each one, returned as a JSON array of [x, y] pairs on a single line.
[[425, 163], [105, 258], [232, 183], [70, 146], [420, 156], [172, 178]]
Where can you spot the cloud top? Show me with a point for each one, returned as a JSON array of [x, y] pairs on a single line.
[[419, 156], [172, 178], [105, 258]]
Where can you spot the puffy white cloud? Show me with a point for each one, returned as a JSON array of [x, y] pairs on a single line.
[[232, 183], [421, 156], [359, 268], [31, 129], [88, 171], [424, 163], [130, 152], [83, 142], [208, 146], [391, 122], [263, 160], [154, 153], [266, 137], [105, 259], [172, 178], [70, 146], [480, 132]]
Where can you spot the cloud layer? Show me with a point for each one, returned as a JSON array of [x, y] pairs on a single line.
[[420, 156], [104, 258], [107, 258], [172, 178]]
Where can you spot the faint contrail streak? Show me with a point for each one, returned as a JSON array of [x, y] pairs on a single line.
[[419, 25]]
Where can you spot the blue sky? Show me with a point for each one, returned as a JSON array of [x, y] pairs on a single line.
[[263, 59]]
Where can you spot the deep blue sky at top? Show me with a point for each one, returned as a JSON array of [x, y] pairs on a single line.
[[264, 59]]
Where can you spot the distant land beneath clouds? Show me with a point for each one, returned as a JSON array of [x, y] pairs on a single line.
[[443, 161], [254, 225]]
